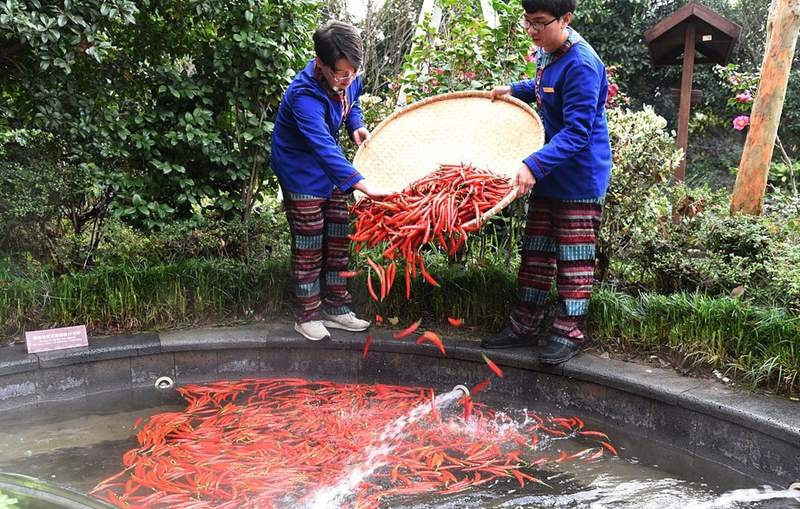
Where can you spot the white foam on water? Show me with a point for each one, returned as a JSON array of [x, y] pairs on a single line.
[[608, 492], [334, 496], [734, 498]]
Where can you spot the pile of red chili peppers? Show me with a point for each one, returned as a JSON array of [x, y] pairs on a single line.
[[433, 209], [263, 443]]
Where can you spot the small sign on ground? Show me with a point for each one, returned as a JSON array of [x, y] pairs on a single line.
[[56, 339]]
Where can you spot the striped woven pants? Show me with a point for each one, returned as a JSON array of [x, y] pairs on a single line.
[[320, 250], [559, 241]]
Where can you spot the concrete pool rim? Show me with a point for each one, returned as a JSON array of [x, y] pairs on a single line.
[[699, 414]]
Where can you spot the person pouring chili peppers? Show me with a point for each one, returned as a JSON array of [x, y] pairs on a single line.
[[316, 178], [568, 177]]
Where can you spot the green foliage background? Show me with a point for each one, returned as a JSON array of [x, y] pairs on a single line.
[[135, 189]]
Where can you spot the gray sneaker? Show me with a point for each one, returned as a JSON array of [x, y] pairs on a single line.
[[347, 321], [313, 330]]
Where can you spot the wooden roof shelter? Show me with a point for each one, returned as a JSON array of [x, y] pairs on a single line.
[[694, 34]]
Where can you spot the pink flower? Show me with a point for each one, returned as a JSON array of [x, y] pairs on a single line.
[[393, 86], [613, 89], [469, 75], [437, 70], [434, 82], [740, 122], [744, 97], [529, 57]]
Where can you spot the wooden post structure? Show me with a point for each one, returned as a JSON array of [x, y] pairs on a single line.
[[686, 97], [751, 180], [694, 34]]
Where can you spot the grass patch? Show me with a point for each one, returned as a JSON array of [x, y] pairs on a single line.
[[758, 345], [134, 298]]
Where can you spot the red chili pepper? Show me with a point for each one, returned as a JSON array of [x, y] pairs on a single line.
[[408, 330], [381, 277], [367, 342], [391, 271], [433, 338], [425, 274], [609, 447], [480, 387], [593, 434], [433, 208], [494, 367], [369, 287]]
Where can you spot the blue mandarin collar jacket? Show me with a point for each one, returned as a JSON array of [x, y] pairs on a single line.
[[575, 162], [306, 156]]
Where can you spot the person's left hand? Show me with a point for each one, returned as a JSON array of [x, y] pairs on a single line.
[[360, 135]]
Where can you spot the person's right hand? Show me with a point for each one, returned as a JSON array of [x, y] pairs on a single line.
[[498, 91], [524, 180], [371, 191]]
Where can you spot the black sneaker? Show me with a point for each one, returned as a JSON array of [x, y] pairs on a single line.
[[558, 350], [507, 339]]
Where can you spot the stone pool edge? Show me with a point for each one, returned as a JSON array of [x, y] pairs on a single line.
[[131, 361]]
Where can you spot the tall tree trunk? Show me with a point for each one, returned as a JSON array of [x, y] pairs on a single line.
[[783, 28]]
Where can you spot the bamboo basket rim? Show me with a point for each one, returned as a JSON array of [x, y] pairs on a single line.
[[461, 94], [532, 141]]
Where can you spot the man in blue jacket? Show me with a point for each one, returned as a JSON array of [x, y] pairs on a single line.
[[316, 178], [569, 177]]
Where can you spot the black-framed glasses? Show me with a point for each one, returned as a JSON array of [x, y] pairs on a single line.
[[537, 26]]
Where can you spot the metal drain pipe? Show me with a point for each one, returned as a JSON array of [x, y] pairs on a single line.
[[462, 388], [164, 383]]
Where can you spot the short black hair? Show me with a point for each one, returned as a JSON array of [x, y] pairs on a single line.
[[555, 7], [335, 40]]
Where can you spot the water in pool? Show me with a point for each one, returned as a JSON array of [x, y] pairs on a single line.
[[396, 447]]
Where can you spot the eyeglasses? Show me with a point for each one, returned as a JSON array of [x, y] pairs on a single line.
[[536, 26], [343, 78]]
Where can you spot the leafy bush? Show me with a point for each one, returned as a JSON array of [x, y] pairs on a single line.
[[174, 127], [695, 254], [466, 52], [48, 206], [698, 246], [644, 156], [264, 236], [783, 175], [784, 274], [31, 180]]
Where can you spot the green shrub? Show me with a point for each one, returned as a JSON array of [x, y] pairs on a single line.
[[783, 273], [49, 207], [466, 53], [644, 157], [170, 103], [709, 251]]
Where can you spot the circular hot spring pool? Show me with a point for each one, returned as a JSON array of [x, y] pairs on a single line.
[[259, 418]]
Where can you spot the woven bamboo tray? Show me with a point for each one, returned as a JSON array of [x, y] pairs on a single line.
[[458, 127]]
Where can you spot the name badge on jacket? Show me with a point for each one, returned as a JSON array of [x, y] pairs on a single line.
[[548, 90]]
